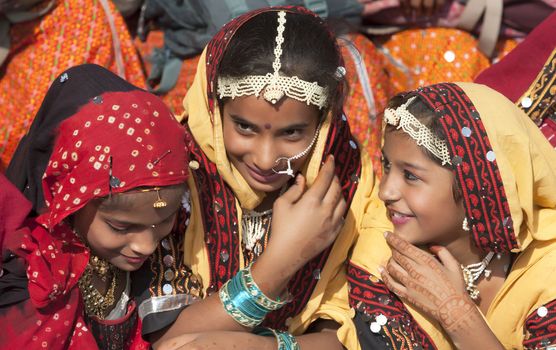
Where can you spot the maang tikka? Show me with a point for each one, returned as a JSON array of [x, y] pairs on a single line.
[[275, 85]]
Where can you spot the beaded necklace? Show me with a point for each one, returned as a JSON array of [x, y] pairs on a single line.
[[472, 272], [255, 231]]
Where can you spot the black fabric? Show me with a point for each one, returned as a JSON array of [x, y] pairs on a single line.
[[13, 281], [109, 335], [367, 339], [69, 91]]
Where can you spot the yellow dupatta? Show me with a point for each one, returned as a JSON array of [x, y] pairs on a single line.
[[206, 129], [527, 166]]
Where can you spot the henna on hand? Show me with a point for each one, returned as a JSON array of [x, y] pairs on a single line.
[[454, 313], [433, 286]]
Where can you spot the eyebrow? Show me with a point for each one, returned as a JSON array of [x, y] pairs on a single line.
[[127, 223], [294, 126], [412, 166], [403, 163], [238, 118]]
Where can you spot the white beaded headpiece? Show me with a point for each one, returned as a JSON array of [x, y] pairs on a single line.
[[401, 118], [275, 86]]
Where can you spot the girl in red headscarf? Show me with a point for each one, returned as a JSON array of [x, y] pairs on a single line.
[[112, 189]]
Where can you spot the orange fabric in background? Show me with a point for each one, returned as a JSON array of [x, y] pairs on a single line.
[[419, 57], [365, 123], [74, 32], [174, 97]]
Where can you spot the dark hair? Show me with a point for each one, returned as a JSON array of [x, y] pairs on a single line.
[[309, 51], [427, 117]]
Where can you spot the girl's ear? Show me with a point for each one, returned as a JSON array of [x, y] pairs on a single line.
[[456, 192]]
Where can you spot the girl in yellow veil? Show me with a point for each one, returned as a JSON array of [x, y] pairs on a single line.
[[470, 186], [266, 104]]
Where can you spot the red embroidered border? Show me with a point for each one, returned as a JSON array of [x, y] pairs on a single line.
[[485, 199], [374, 298], [541, 331]]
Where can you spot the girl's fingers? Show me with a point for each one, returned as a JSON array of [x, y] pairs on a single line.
[[294, 193], [324, 179], [392, 285], [403, 261], [404, 247], [397, 272], [446, 258], [334, 193]]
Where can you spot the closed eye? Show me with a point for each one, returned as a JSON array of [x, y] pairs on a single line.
[[117, 228]]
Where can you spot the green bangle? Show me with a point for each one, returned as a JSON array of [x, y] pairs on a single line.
[[235, 312], [260, 297], [286, 341]]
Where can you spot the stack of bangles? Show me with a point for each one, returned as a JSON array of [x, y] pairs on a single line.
[[244, 301]]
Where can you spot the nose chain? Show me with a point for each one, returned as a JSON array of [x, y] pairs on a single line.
[[288, 160]]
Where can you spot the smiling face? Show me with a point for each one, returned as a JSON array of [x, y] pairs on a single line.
[[418, 194], [120, 230], [257, 134]]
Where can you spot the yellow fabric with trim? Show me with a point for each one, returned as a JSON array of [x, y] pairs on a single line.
[[527, 164], [209, 136]]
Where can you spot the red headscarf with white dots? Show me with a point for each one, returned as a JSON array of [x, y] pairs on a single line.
[[134, 131], [130, 137]]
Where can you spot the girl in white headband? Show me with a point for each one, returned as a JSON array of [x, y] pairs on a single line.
[[265, 107]]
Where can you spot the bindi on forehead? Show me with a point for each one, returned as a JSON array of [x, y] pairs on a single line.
[[267, 126]]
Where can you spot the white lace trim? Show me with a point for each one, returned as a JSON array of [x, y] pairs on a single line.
[[275, 86], [401, 118]]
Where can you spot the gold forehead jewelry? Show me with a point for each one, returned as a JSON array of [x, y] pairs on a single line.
[[275, 86], [401, 118], [159, 203]]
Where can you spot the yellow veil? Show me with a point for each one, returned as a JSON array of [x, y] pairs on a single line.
[[526, 164], [206, 128]]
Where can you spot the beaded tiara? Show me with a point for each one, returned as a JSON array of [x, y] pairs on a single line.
[[401, 118], [274, 86]]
